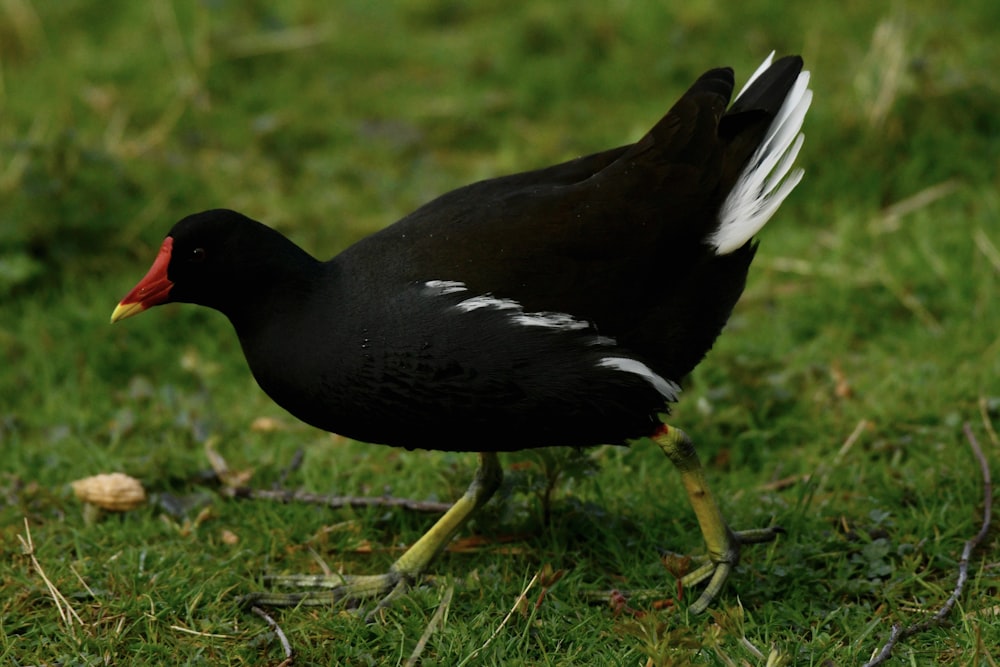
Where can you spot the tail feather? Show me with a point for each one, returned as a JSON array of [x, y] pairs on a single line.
[[767, 177], [763, 67]]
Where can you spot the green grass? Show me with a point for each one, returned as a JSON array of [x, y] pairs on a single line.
[[874, 301]]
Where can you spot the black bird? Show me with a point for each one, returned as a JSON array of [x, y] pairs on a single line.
[[553, 307]]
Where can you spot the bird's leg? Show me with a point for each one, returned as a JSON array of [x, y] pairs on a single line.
[[406, 570], [723, 543]]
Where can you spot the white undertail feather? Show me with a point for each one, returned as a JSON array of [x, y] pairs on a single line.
[[767, 178], [756, 74]]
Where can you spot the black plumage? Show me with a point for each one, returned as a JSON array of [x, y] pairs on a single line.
[[553, 307]]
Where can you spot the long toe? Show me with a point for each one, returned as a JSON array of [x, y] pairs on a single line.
[[721, 564], [351, 591]]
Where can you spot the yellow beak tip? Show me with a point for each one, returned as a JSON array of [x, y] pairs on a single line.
[[123, 310]]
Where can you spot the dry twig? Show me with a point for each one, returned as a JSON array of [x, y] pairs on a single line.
[[336, 502], [285, 645], [898, 631], [234, 486], [297, 458]]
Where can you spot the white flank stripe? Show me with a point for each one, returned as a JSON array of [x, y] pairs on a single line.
[[668, 389], [551, 320], [442, 287], [767, 178], [487, 301], [542, 319]]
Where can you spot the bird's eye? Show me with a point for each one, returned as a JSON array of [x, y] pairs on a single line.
[[198, 255]]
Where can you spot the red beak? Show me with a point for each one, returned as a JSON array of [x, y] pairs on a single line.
[[152, 290]]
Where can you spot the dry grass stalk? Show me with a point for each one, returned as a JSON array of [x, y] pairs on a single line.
[[66, 611]]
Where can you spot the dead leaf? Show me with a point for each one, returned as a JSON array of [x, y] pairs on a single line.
[[267, 425]]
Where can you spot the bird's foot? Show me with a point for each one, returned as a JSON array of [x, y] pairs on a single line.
[[325, 590], [723, 543], [355, 590], [721, 563]]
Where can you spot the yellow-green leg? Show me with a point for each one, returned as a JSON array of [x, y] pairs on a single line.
[[722, 542], [407, 569]]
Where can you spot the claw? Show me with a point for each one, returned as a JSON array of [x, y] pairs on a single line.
[[718, 569]]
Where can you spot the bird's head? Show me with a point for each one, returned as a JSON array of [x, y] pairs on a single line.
[[217, 258]]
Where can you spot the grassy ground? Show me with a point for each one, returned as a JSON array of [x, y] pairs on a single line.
[[833, 404]]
